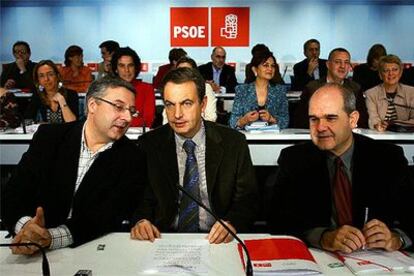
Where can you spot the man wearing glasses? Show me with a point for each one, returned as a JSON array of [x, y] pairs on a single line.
[[19, 74], [339, 65], [78, 180]]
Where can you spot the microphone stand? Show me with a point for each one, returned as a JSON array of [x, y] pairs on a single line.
[[249, 267], [45, 262]]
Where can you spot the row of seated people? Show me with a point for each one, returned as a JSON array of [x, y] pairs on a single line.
[[261, 98], [80, 180]]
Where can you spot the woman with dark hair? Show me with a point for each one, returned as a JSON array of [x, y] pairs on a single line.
[[389, 101], [260, 100], [126, 64], [367, 74], [210, 112], [75, 75], [256, 50], [51, 102]]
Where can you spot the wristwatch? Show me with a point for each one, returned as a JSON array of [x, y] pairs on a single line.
[[402, 241]]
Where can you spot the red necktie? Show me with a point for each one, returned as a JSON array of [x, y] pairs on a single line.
[[342, 194]]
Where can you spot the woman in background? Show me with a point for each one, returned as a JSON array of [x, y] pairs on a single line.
[[367, 74], [390, 100], [210, 112], [260, 100], [51, 102], [75, 75]]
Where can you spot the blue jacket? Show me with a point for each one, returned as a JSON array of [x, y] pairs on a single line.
[[245, 100]]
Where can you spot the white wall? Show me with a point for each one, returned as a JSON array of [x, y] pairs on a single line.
[[51, 26]]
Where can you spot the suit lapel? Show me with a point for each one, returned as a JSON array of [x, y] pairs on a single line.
[[168, 157], [214, 156], [67, 167]]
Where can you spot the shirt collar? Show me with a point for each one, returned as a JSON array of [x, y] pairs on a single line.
[[85, 147], [199, 138], [346, 157]]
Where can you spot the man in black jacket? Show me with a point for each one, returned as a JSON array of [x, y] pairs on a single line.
[[311, 68], [217, 73], [19, 74], [343, 191], [78, 180]]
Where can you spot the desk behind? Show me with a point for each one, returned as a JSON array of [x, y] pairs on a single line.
[[264, 147]]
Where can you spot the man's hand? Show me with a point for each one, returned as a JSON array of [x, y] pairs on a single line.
[[21, 65], [219, 234], [33, 231], [378, 235], [313, 63], [145, 230], [345, 239], [9, 84], [214, 86]]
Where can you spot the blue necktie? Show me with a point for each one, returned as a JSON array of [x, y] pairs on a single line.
[[188, 218]]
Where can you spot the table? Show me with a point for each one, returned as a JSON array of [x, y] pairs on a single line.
[[264, 147], [123, 256]]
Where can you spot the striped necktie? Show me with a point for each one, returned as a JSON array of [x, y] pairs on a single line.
[[188, 218]]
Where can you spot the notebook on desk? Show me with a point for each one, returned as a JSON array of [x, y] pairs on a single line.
[[284, 255], [366, 262]]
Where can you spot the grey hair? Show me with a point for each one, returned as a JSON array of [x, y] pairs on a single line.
[[348, 96], [99, 88]]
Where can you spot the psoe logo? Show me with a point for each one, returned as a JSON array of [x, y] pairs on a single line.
[[230, 26], [229, 30], [189, 27]]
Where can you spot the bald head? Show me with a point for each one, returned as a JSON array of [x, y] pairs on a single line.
[[218, 57], [332, 117]]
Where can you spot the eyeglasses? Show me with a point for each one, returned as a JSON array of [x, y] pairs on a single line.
[[391, 70], [120, 107]]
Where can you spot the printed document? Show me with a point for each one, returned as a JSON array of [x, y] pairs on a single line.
[[178, 256]]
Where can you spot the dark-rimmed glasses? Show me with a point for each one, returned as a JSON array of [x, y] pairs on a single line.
[[120, 107]]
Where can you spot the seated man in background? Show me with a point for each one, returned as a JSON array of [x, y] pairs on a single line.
[[210, 161], [217, 73], [108, 48], [339, 64], [174, 55], [343, 191], [311, 68], [79, 180], [19, 74]]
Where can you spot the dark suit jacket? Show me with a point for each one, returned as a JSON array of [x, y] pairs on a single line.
[[46, 177], [162, 71], [230, 177], [23, 81], [227, 76], [381, 181], [301, 77], [301, 119], [408, 76]]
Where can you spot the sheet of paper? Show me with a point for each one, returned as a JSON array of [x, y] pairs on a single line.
[[178, 256]]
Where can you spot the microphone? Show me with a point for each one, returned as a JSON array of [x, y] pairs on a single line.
[[400, 105], [249, 268], [284, 72], [45, 262]]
